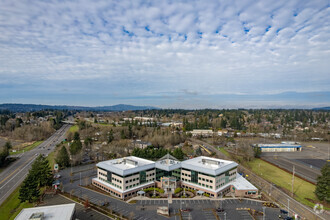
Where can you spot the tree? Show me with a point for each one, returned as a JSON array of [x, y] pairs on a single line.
[[110, 137], [5, 152], [322, 190], [41, 171], [257, 152], [29, 190], [178, 153], [88, 141], [76, 146], [76, 136], [39, 175], [63, 157], [198, 151]]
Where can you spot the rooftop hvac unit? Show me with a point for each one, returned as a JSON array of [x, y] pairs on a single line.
[[37, 216]]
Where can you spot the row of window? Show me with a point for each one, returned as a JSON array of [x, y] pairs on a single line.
[[116, 180], [110, 183], [205, 185], [107, 189], [152, 174], [132, 180], [102, 174], [184, 174], [207, 180]]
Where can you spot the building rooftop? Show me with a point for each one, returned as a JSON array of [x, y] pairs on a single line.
[[63, 212], [126, 165], [208, 165], [241, 183], [168, 163], [282, 145]]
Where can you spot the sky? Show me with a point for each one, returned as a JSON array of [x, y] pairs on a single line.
[[169, 54]]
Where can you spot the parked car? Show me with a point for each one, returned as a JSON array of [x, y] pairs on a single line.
[[284, 212], [220, 210], [185, 210]]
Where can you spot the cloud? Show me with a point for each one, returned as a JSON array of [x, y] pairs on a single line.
[[142, 48]]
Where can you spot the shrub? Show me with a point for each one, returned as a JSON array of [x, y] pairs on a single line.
[[206, 194], [177, 190]]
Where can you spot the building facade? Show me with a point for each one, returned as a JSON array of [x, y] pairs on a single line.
[[283, 147], [124, 177]]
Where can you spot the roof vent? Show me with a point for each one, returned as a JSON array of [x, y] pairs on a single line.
[[37, 216]]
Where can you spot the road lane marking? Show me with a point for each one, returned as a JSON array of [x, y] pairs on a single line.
[[15, 171], [13, 187]]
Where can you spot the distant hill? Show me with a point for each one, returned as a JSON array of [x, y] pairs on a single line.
[[33, 107], [322, 109]]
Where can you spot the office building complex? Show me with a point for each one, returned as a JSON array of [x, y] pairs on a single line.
[[124, 177]]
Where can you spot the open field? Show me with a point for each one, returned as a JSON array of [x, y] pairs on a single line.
[[30, 147], [12, 206], [302, 189], [13, 142], [73, 128]]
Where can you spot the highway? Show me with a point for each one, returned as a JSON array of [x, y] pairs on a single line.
[[13, 176]]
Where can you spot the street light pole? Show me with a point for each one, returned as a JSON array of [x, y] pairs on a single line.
[[288, 207]]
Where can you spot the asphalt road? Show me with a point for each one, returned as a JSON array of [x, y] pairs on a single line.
[[13, 176]]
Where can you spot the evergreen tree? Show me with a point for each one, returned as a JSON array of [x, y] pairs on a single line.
[[5, 152], [322, 190], [41, 171], [63, 158], [29, 190], [110, 137], [76, 146], [178, 153], [39, 175]]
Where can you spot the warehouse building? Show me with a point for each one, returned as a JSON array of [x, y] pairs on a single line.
[[125, 177], [283, 147]]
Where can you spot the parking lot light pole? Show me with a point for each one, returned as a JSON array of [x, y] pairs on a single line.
[[221, 201], [264, 213]]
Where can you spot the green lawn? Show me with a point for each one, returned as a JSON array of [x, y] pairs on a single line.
[[30, 147], [51, 159], [10, 208], [302, 189], [222, 150], [73, 128]]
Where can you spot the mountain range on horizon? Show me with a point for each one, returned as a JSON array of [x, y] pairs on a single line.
[[17, 107], [35, 107]]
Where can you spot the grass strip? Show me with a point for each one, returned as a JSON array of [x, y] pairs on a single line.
[[28, 148], [303, 190]]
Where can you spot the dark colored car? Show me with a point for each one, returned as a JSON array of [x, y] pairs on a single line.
[[220, 210], [284, 211]]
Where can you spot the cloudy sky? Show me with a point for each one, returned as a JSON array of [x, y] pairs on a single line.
[[182, 54]]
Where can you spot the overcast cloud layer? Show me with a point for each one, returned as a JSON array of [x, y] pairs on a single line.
[[186, 54]]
